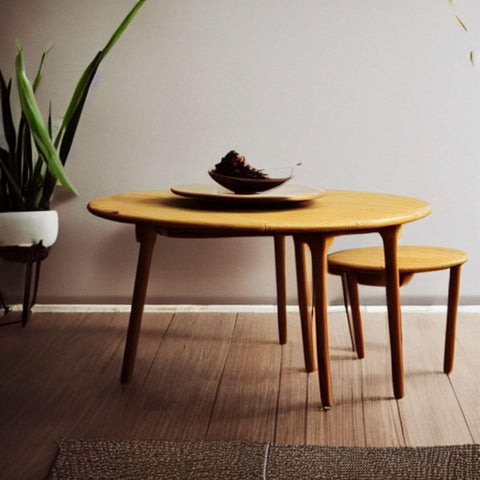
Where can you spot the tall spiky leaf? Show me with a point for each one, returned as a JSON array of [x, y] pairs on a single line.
[[9, 181], [33, 190], [49, 184], [34, 118], [75, 107], [461, 23], [27, 154], [69, 124], [23, 132], [38, 76], [8, 126]]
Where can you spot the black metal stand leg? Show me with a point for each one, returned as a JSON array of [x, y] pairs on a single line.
[[31, 256], [28, 302], [26, 294], [3, 304], [35, 286]]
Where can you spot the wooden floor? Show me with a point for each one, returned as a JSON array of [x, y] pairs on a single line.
[[223, 376]]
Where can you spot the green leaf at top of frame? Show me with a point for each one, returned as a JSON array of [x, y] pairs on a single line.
[[34, 118], [461, 23], [126, 21], [74, 110], [69, 124]]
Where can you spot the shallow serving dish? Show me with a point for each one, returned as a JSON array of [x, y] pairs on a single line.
[[253, 185], [285, 194]]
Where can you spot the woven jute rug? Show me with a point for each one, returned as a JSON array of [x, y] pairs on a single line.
[[154, 459]]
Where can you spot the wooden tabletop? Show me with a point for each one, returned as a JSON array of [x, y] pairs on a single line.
[[310, 223], [411, 259], [336, 211]]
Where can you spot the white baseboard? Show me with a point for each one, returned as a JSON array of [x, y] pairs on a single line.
[[229, 308]]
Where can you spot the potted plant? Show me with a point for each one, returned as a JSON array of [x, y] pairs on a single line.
[[33, 157]]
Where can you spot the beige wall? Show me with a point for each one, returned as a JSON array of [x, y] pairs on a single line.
[[368, 95]]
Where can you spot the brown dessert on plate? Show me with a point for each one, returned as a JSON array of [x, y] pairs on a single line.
[[235, 165], [235, 174]]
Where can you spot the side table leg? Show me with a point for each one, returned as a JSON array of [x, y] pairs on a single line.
[[348, 308], [146, 237], [392, 278], [356, 316], [453, 299], [281, 289]]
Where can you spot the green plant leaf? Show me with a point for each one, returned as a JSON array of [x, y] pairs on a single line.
[[49, 122], [25, 140], [461, 23], [118, 32], [35, 161], [9, 180], [38, 76], [71, 119], [8, 126], [34, 118], [49, 184], [75, 107], [34, 189], [23, 132]]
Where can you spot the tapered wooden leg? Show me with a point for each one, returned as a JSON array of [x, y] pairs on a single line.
[[346, 303], [146, 237], [319, 248], [390, 242], [453, 298], [304, 303], [281, 289], [352, 287]]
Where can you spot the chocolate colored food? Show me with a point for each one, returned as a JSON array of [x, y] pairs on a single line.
[[235, 165]]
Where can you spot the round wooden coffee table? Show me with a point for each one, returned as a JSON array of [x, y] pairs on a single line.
[[312, 224]]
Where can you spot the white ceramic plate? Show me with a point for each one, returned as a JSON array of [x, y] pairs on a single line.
[[284, 194]]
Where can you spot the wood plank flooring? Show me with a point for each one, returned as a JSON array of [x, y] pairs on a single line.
[[223, 376]]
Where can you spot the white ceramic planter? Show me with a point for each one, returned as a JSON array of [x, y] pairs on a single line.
[[28, 228]]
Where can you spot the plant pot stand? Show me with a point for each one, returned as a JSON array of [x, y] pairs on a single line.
[[32, 256], [3, 305]]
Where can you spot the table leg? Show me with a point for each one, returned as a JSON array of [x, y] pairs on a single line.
[[304, 303], [281, 289], [146, 236], [390, 242], [319, 245], [350, 287], [453, 299]]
